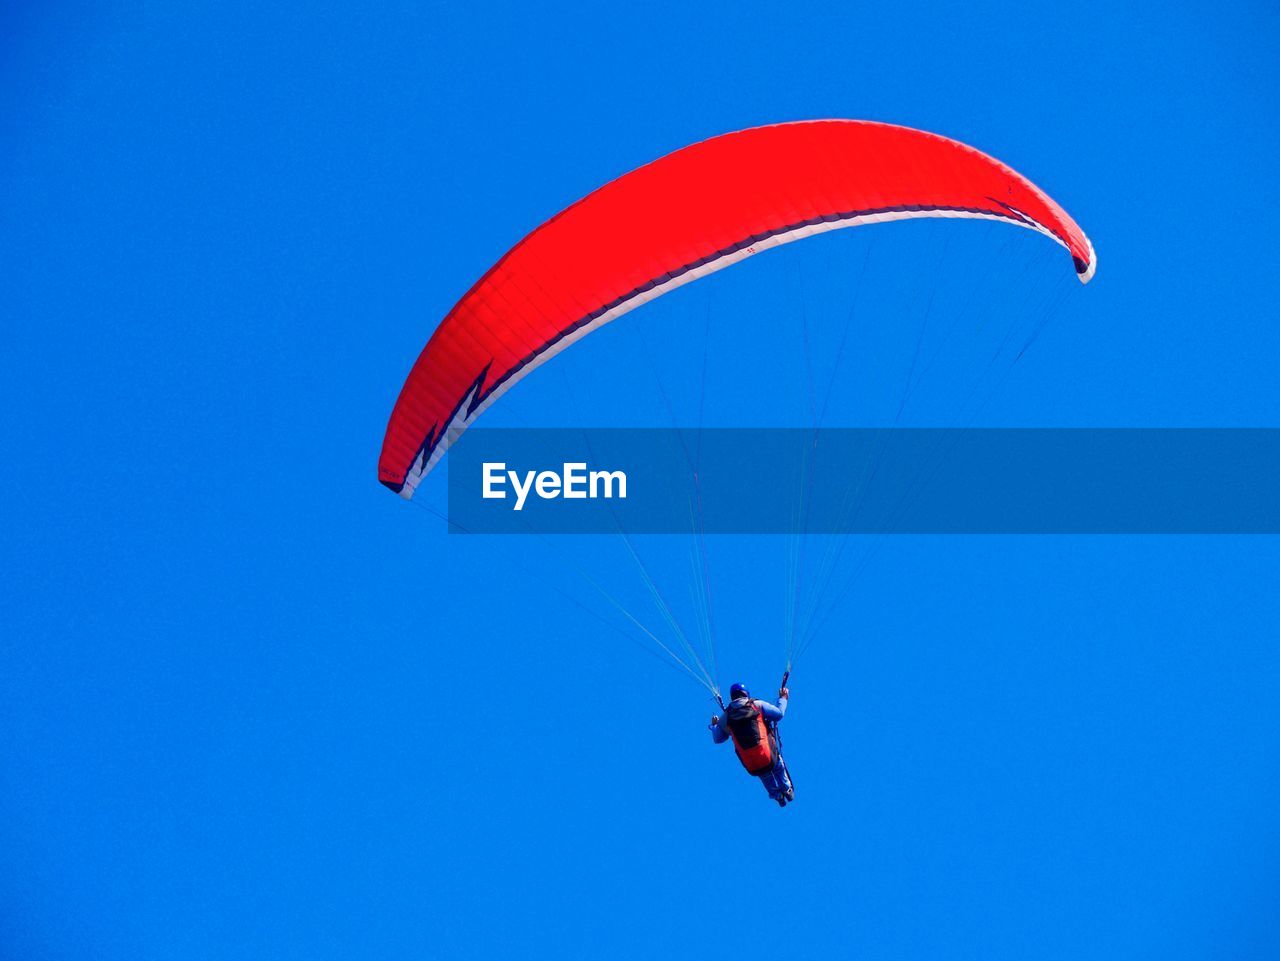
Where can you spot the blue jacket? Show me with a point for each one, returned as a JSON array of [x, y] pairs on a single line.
[[772, 715]]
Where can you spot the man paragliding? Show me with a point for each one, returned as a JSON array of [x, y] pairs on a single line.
[[753, 726], [667, 223]]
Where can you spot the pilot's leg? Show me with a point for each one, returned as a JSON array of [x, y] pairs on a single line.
[[772, 783], [784, 779]]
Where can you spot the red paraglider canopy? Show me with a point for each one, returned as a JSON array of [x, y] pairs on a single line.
[[671, 221]]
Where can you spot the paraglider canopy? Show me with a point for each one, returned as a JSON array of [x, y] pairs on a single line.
[[678, 218]]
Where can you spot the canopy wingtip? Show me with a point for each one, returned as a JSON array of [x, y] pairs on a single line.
[[1087, 268]]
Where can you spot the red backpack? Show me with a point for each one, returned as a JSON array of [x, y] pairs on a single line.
[[752, 739]]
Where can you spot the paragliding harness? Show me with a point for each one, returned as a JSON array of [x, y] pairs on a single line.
[[753, 736], [755, 740]]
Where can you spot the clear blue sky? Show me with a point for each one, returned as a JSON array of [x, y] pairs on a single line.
[[253, 706]]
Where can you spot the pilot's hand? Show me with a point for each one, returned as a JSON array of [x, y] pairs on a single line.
[[783, 693]]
